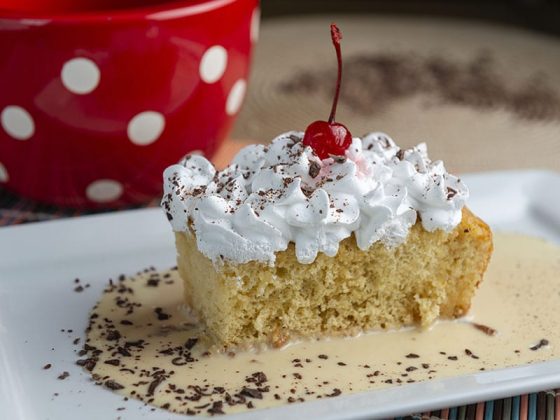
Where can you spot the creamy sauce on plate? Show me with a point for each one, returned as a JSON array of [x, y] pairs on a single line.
[[141, 343]]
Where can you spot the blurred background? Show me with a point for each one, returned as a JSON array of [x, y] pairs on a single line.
[[479, 81], [542, 15]]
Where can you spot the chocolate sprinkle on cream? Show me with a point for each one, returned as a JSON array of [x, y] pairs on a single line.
[[338, 159], [314, 169], [451, 193]]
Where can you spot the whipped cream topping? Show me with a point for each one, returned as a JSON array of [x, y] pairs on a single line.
[[272, 195]]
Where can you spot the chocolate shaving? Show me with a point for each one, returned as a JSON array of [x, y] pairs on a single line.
[[217, 408], [451, 193], [485, 329], [314, 169], [336, 392], [251, 393], [540, 344], [89, 363], [179, 361], [338, 159], [154, 384], [137, 343], [113, 335], [123, 352], [152, 283], [471, 354], [191, 342], [258, 378], [113, 385], [63, 375], [161, 316]]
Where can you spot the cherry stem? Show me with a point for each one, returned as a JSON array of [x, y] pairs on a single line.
[[336, 36]]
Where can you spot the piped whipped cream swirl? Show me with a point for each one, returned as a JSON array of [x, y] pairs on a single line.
[[272, 195]]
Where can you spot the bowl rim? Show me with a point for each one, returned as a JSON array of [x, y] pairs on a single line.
[[163, 11]]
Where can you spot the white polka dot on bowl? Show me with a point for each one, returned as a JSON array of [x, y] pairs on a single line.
[[17, 122], [255, 23], [235, 97], [4, 177], [104, 190], [145, 128], [80, 76], [213, 64]]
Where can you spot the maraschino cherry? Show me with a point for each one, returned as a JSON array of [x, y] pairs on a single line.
[[329, 137]]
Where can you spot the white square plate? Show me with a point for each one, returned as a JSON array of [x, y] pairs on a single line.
[[39, 262]]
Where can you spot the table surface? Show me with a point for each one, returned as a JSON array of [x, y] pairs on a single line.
[[520, 129]]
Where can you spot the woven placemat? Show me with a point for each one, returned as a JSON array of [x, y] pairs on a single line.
[[484, 97]]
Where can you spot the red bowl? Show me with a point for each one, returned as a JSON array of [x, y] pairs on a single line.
[[99, 96]]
